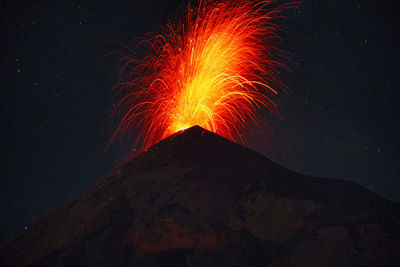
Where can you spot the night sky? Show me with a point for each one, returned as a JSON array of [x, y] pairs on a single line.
[[340, 118]]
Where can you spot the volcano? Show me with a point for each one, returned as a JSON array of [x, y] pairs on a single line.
[[197, 199]]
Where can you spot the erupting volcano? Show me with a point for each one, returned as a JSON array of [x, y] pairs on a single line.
[[216, 68]]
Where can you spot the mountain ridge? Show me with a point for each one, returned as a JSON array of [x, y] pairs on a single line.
[[197, 199]]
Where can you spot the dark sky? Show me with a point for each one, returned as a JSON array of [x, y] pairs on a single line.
[[340, 119]]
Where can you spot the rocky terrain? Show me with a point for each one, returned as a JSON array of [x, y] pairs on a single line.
[[197, 199]]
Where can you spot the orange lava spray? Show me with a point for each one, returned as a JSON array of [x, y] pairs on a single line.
[[217, 68]]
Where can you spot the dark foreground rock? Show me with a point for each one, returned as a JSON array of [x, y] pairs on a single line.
[[197, 199]]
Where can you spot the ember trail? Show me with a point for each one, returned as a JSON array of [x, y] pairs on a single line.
[[215, 68]]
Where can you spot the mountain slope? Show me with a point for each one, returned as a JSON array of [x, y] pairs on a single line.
[[198, 199]]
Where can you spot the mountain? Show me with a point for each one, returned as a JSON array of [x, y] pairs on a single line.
[[197, 199]]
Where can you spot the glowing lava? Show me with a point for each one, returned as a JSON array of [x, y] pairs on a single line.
[[215, 69]]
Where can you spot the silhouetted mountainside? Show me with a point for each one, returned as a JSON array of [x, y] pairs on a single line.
[[197, 199]]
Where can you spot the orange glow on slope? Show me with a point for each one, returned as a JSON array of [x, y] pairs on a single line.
[[215, 69]]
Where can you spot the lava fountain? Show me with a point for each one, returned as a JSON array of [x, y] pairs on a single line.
[[216, 68]]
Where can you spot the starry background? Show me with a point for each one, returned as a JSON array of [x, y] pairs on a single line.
[[340, 119]]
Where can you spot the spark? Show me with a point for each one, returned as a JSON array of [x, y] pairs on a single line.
[[216, 68]]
